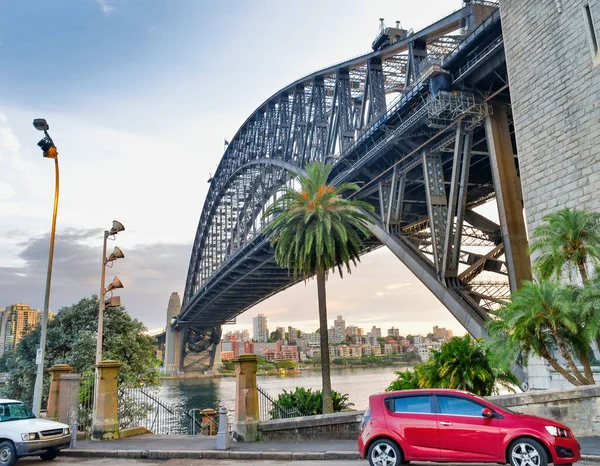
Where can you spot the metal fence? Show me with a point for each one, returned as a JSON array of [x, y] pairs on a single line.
[[86, 403], [141, 407], [269, 408]]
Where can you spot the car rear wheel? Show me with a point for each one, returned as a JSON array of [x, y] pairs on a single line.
[[527, 452], [49, 455], [8, 455], [384, 452]]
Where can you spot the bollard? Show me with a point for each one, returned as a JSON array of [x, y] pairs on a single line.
[[74, 434], [223, 438]]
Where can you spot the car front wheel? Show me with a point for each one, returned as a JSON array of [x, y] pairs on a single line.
[[49, 455], [8, 455], [384, 452], [527, 452]]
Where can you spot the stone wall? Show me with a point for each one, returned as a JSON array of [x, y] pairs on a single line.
[[555, 89], [339, 426], [578, 408]]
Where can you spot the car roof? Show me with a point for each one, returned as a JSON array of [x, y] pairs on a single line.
[[429, 391], [6, 400]]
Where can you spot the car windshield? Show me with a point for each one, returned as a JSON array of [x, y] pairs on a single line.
[[14, 412]]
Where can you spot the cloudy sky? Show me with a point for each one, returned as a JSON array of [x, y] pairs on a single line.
[[139, 95]]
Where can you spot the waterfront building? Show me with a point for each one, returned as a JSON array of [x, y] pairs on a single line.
[[441, 332], [292, 335], [314, 339], [375, 350], [376, 331], [260, 326]]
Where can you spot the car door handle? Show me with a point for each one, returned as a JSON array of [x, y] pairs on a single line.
[[444, 423]]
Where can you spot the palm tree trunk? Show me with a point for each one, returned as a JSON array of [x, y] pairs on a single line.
[[565, 353], [584, 357], [557, 367], [325, 368], [582, 271]]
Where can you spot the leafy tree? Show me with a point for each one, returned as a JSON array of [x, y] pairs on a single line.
[[465, 364], [570, 238], [411, 339], [544, 317], [410, 356], [313, 231], [275, 336], [286, 365], [5, 362], [71, 339]]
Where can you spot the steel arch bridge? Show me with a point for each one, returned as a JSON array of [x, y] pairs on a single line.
[[424, 124]]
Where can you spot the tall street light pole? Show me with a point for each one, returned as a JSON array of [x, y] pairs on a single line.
[[50, 151]]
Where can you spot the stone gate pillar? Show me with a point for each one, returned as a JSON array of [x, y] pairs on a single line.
[[173, 310], [246, 397], [53, 397], [105, 422]]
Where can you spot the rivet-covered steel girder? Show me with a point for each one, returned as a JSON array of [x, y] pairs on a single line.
[[392, 133]]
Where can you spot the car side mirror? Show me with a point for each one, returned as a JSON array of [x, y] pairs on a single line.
[[487, 412]]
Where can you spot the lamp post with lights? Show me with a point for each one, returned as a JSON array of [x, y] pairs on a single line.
[[116, 283], [50, 151]]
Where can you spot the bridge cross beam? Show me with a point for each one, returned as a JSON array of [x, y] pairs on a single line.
[[457, 201], [435, 192]]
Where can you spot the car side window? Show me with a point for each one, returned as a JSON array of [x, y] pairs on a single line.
[[459, 406], [413, 404]]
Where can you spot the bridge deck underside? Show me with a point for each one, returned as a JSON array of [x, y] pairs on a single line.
[[388, 150]]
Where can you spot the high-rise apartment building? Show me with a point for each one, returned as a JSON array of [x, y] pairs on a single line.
[[292, 335], [376, 332], [16, 321], [260, 327], [393, 332]]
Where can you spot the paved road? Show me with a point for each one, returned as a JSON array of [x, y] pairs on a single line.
[[65, 461]]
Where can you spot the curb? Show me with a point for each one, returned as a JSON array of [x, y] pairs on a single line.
[[216, 454], [591, 458]]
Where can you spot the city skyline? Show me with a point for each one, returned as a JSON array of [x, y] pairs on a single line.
[[154, 161]]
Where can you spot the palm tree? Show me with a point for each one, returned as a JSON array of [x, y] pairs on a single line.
[[405, 380], [542, 318], [464, 364], [313, 231], [588, 299], [569, 237]]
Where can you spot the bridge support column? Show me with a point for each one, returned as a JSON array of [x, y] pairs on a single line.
[[246, 398], [507, 185], [173, 310], [179, 345]]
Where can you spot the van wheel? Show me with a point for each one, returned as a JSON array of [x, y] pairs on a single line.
[[49, 455], [527, 452], [384, 452], [8, 455]]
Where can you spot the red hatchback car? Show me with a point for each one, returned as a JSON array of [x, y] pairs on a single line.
[[456, 426]]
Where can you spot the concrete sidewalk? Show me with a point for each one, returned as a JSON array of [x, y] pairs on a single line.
[[184, 446]]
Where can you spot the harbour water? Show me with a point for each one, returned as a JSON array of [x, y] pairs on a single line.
[[359, 383]]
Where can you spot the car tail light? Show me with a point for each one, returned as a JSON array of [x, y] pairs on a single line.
[[558, 431], [366, 417]]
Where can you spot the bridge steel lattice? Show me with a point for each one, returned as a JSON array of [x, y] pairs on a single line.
[[424, 124]]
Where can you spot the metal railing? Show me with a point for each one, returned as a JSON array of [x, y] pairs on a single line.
[[86, 403], [270, 409], [140, 407]]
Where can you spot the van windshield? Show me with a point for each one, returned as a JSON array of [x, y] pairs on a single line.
[[14, 412]]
